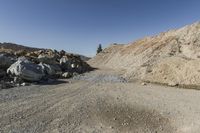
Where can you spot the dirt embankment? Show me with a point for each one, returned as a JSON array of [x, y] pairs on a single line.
[[171, 58]]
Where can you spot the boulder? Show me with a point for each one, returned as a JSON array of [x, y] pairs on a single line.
[[26, 70], [2, 73], [5, 62], [32, 55], [51, 70], [74, 64], [67, 75], [75, 74], [22, 58], [57, 68], [21, 53], [65, 63], [62, 53], [47, 59], [5, 85]]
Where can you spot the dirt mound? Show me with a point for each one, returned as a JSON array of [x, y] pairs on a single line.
[[171, 58]]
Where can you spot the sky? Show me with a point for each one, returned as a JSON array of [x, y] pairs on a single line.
[[80, 25]]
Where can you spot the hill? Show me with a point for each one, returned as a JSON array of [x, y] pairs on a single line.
[[12, 47], [171, 58], [16, 47]]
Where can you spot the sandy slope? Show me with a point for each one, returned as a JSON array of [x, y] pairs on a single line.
[[93, 106], [172, 57]]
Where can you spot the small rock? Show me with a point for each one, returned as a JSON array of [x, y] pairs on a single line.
[[172, 84], [50, 81], [23, 84], [143, 84], [111, 127], [66, 75], [75, 74], [18, 85]]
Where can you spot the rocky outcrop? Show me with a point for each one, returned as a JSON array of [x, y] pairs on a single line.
[[44, 65]]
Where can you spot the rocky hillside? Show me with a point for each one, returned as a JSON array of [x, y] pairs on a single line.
[[171, 57]]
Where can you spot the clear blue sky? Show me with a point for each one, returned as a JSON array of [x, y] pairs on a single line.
[[80, 25]]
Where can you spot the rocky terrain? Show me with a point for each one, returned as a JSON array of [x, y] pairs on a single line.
[[23, 67], [117, 97], [171, 58]]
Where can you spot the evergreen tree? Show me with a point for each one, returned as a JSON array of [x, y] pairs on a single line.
[[99, 49]]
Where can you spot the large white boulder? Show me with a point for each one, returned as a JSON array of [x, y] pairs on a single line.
[[26, 70]]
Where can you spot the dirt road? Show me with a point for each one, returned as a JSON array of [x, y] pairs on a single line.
[[104, 103]]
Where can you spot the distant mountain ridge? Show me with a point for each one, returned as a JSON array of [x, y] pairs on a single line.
[[17, 47], [12, 47]]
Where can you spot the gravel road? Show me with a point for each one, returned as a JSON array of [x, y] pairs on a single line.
[[85, 105]]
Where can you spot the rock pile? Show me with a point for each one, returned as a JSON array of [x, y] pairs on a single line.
[[37, 66], [171, 58]]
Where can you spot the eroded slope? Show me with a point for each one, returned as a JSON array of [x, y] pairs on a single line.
[[171, 58]]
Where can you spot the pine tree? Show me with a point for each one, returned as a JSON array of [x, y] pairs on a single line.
[[99, 49]]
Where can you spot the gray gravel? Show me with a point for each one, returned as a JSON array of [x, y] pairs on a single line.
[[101, 78], [88, 106]]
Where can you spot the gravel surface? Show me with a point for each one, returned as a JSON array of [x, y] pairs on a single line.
[[89, 106], [100, 78]]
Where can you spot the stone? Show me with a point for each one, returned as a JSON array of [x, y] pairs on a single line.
[[26, 70], [21, 53], [5, 85], [65, 63], [66, 75], [62, 53], [47, 59], [2, 73], [5, 62], [51, 70], [143, 84], [172, 84], [75, 74], [23, 84]]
